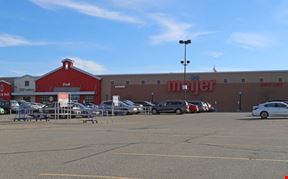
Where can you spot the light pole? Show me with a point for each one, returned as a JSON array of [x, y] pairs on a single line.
[[152, 97], [185, 63]]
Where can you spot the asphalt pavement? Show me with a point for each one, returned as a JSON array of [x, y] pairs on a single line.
[[169, 146]]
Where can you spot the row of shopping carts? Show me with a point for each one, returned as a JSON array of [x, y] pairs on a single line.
[[27, 114]]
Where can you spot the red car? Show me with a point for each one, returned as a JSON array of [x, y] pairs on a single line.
[[193, 108]]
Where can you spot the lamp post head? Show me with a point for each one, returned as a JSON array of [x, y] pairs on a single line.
[[188, 61], [182, 62], [185, 42]]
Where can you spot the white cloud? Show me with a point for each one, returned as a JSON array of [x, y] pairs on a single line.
[[7, 40], [173, 31], [88, 65], [88, 9], [215, 54], [141, 4], [251, 40]]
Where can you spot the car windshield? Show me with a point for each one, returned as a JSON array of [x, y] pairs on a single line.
[[123, 104], [129, 102], [79, 105]]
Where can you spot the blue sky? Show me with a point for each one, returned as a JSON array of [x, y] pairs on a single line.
[[141, 36]]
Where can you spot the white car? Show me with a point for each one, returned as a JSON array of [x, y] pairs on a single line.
[[269, 109]]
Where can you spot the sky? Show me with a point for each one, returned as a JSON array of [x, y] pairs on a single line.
[[142, 36]]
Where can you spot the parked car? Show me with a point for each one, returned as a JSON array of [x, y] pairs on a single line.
[[132, 104], [210, 107], [14, 106], [171, 106], [91, 105], [147, 106], [201, 105], [121, 109], [5, 105], [144, 103], [2, 111], [270, 109], [36, 106], [53, 109], [49, 108], [193, 108], [29, 106], [79, 109]]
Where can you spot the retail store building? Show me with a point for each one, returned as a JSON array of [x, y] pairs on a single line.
[[82, 86], [227, 91]]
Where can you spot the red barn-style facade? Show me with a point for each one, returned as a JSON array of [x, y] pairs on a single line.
[[5, 90], [82, 86]]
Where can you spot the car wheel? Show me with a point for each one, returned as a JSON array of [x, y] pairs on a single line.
[[125, 113], [178, 111], [6, 111], [264, 115], [154, 111]]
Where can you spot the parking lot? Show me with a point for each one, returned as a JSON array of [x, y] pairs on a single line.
[[200, 146]]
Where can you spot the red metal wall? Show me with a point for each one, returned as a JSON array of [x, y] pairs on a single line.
[[74, 78], [5, 90]]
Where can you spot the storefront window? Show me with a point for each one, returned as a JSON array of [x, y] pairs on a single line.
[[47, 99], [89, 99], [26, 83], [75, 98], [27, 98]]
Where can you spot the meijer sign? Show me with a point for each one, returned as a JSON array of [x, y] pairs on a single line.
[[195, 86]]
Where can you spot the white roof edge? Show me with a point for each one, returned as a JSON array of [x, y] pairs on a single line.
[[75, 68], [181, 73], [53, 71], [89, 74], [5, 82], [35, 77]]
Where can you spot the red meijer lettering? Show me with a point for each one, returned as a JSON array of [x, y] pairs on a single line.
[[194, 86]]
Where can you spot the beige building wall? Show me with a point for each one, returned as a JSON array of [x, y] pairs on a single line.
[[255, 87]]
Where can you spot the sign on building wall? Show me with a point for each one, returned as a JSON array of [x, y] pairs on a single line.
[[63, 99], [5, 90], [194, 86]]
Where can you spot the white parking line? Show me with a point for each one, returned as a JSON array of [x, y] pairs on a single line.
[[83, 176], [244, 145], [202, 157]]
